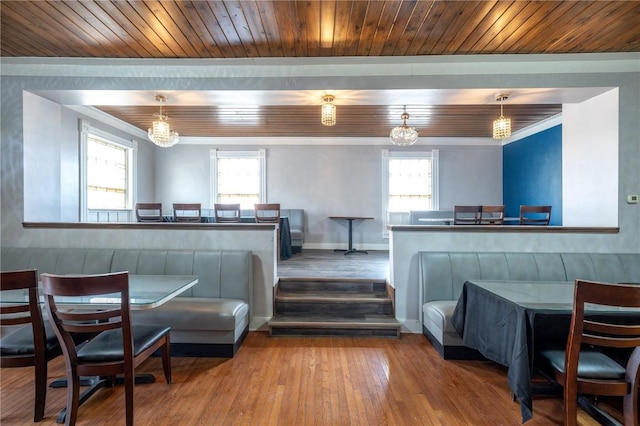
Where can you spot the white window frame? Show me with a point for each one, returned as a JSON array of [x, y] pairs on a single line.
[[432, 155], [216, 154], [131, 147]]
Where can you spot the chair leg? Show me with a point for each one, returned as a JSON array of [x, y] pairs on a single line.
[[166, 359], [73, 397], [41, 391], [570, 407], [129, 382]]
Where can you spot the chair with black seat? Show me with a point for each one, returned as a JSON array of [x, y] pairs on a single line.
[[30, 345], [467, 215], [583, 367], [149, 212], [535, 215], [492, 215], [227, 213], [117, 348], [187, 212]]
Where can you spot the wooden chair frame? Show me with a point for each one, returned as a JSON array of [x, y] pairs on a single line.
[[489, 218], [227, 213], [462, 215], [535, 215], [145, 207], [183, 207], [96, 321], [29, 313], [604, 334]]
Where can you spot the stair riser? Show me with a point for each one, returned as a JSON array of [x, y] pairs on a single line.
[[345, 287], [334, 332], [337, 309]]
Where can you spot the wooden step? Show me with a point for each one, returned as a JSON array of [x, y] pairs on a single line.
[[331, 285], [325, 325]]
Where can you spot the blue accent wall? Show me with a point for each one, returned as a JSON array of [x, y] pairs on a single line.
[[532, 173]]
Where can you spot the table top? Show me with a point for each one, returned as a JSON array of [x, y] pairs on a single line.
[[351, 217], [145, 292], [450, 219]]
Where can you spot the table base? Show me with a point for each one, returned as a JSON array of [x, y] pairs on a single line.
[[351, 250]]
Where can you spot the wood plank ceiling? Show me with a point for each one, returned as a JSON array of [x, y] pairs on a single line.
[[327, 28]]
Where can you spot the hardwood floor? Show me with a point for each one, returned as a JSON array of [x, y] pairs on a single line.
[[300, 381]]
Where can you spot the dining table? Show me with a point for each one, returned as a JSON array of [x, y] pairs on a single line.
[[508, 321]]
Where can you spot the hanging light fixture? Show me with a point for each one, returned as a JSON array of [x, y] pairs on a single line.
[[328, 111], [159, 132], [404, 135], [501, 125]]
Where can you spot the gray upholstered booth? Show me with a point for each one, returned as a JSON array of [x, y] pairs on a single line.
[[442, 275], [210, 319]]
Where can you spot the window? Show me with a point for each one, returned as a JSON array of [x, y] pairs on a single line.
[[107, 175], [238, 177], [410, 182]]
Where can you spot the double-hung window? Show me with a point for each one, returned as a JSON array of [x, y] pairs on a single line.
[[238, 177], [107, 187], [410, 182]]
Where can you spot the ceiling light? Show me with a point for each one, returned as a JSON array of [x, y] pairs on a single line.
[[159, 132], [501, 125], [328, 111], [404, 135]]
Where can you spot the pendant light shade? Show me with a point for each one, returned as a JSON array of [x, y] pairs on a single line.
[[160, 133], [501, 125], [403, 135], [328, 111]]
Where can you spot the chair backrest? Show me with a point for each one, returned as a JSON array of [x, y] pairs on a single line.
[[267, 213], [492, 215], [227, 213], [149, 212], [24, 313], [535, 215], [187, 212], [90, 320], [467, 215]]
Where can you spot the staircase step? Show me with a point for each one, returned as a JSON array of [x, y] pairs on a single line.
[[329, 285], [325, 325]]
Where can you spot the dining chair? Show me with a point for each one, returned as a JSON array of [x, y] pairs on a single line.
[[268, 213], [30, 345], [227, 213], [118, 346], [535, 215], [149, 212], [492, 215], [583, 367], [187, 212], [467, 215]]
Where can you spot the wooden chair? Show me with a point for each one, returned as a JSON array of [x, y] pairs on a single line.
[[32, 345], [535, 215], [582, 368], [492, 215], [227, 213], [467, 215], [268, 213], [187, 212], [117, 348], [149, 212]]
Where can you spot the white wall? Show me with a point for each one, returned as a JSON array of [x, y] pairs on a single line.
[[590, 161]]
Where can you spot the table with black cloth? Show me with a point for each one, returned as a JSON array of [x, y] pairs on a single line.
[[285, 231], [507, 320]]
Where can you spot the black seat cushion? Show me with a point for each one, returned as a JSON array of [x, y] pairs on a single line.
[[107, 346], [592, 364], [20, 342]]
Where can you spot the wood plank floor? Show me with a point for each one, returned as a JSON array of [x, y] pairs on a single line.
[[300, 381], [330, 264]]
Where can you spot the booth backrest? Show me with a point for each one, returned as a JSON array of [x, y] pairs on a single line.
[[221, 274], [442, 274]]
